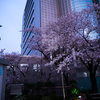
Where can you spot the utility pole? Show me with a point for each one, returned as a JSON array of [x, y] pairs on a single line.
[[63, 84]]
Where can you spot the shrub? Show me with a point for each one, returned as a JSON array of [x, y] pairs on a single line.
[[54, 97], [19, 97], [28, 87], [73, 83], [39, 85], [49, 84], [30, 97], [89, 91], [46, 98], [73, 90], [38, 97]]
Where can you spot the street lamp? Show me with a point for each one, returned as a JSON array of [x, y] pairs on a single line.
[[0, 26]]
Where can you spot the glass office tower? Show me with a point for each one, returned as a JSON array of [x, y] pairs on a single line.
[[78, 5], [31, 16]]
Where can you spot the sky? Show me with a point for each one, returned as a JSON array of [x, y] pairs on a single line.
[[11, 14]]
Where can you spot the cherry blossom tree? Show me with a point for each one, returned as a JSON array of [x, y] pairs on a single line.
[[13, 58], [1, 52], [27, 69], [88, 46], [47, 44], [20, 69], [84, 31], [74, 37]]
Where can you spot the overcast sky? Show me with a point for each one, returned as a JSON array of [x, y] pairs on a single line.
[[11, 13]]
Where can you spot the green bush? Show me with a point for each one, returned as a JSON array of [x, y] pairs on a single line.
[[38, 97], [54, 97], [49, 84], [53, 92], [39, 85], [30, 97], [73, 83], [28, 87], [19, 97], [45, 98], [73, 90], [51, 97]]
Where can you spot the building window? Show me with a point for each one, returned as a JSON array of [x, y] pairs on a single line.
[[82, 74], [97, 73], [36, 67]]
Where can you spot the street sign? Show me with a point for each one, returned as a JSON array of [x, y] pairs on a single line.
[[0, 71]]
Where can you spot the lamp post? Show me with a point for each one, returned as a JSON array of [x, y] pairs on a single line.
[[0, 26]]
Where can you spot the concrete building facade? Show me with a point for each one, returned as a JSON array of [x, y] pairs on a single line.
[[41, 13]]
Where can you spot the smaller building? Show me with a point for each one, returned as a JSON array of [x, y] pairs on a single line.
[[3, 64]]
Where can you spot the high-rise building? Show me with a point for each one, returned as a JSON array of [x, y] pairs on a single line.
[[64, 7], [38, 13], [43, 12], [78, 5], [49, 11], [31, 16]]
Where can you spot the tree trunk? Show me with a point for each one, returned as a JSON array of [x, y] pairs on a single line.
[[66, 79], [49, 77], [93, 83]]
